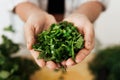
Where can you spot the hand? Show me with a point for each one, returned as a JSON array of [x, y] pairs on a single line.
[[85, 27], [36, 23]]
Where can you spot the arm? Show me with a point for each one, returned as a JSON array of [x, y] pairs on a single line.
[[36, 20], [24, 10], [90, 9]]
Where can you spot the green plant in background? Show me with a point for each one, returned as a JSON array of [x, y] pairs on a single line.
[[59, 43], [8, 47], [106, 64], [9, 28], [16, 68]]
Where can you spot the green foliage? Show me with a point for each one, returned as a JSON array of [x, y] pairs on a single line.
[[8, 47], [14, 68], [9, 28], [106, 64], [59, 43]]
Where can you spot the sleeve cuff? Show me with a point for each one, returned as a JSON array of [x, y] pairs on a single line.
[[103, 2], [13, 3]]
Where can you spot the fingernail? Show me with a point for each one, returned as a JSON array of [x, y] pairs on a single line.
[[48, 66], [51, 65], [78, 60], [70, 62], [63, 63], [42, 63]]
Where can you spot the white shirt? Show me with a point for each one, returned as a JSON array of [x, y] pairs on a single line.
[[70, 5]]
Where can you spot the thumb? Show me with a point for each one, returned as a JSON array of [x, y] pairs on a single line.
[[29, 35], [89, 36], [50, 20]]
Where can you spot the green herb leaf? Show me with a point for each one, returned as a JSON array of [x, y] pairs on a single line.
[[60, 42]]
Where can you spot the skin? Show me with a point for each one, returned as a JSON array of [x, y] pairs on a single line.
[[37, 20]]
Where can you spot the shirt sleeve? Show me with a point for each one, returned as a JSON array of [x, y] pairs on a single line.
[[104, 2], [13, 3]]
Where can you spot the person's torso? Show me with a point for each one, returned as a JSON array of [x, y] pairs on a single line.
[[58, 8]]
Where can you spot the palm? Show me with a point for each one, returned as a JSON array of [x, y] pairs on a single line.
[[35, 25], [86, 28]]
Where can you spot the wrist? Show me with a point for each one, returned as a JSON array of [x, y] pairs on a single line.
[[79, 15], [78, 19], [26, 9]]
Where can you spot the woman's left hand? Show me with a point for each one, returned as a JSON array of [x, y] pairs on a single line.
[[85, 27]]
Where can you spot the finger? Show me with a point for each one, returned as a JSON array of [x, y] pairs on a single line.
[[51, 65], [70, 62], [88, 36], [49, 21], [38, 29], [81, 55], [63, 63], [35, 55], [29, 35]]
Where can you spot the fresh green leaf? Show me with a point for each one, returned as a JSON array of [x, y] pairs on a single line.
[[60, 42]]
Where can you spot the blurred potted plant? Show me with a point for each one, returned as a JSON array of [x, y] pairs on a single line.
[[14, 68], [106, 64]]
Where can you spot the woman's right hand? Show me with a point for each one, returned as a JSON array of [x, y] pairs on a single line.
[[35, 24]]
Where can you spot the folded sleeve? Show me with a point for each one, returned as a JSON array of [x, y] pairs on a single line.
[[13, 3], [104, 2]]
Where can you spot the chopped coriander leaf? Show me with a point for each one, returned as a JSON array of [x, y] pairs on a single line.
[[60, 42]]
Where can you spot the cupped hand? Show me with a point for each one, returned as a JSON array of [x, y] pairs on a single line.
[[35, 24], [38, 22], [85, 27]]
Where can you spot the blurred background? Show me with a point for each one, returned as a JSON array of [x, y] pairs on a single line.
[[107, 34]]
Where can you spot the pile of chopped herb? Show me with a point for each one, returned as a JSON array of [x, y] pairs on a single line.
[[16, 68], [60, 42]]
